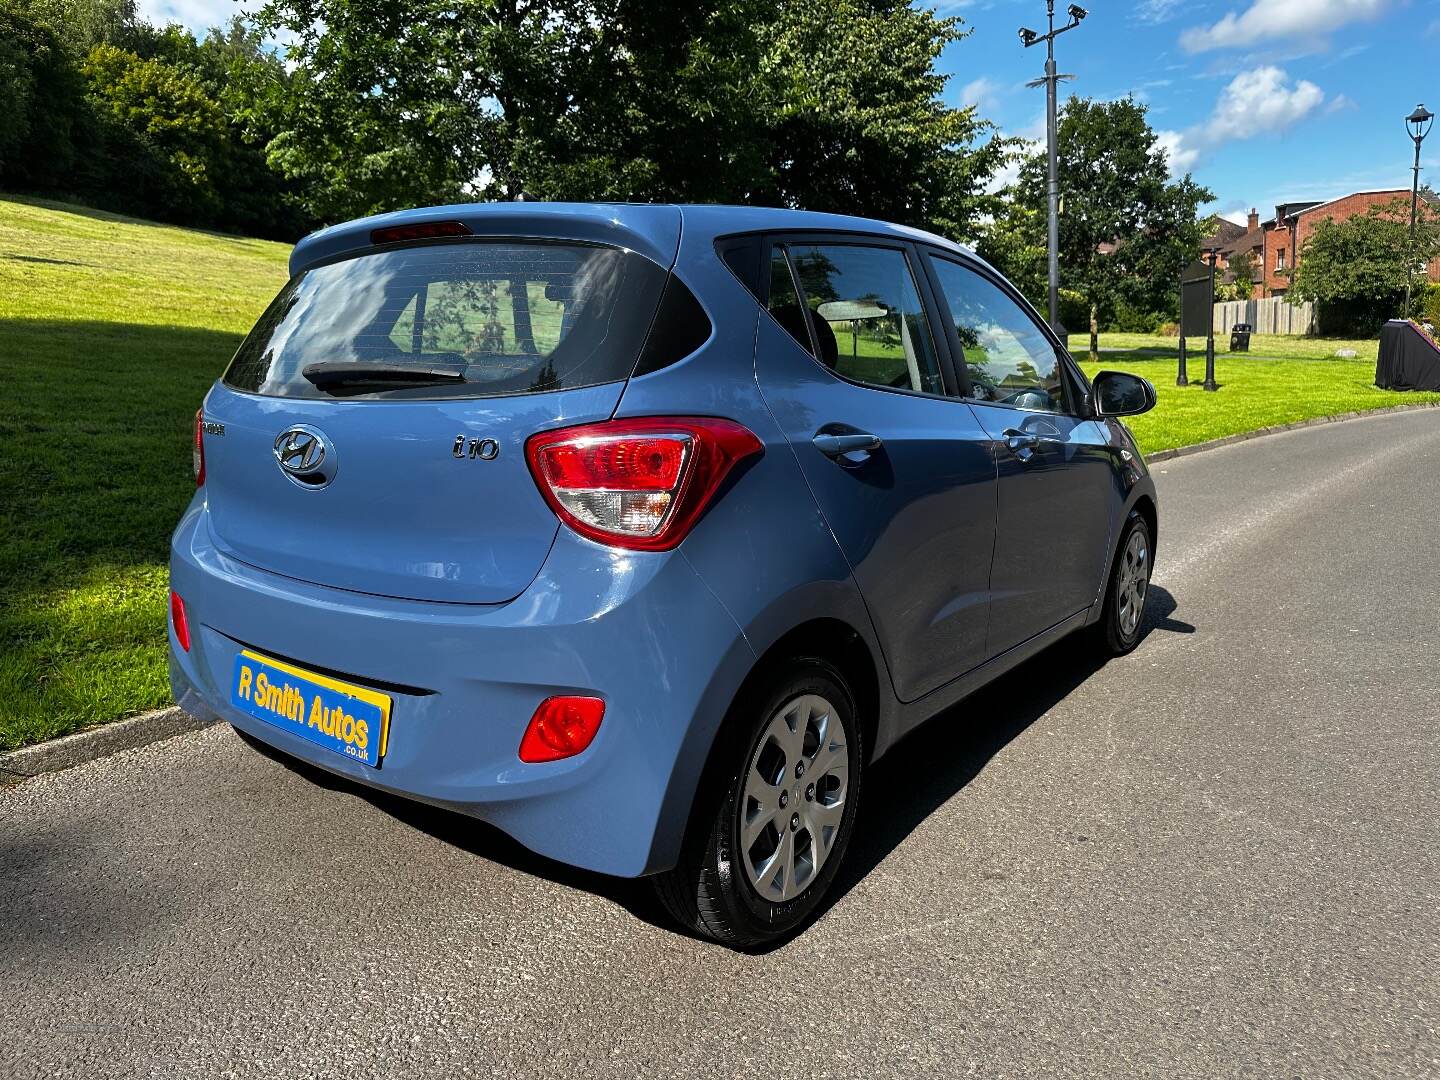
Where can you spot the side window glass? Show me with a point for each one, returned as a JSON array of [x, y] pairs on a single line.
[[784, 304], [1009, 358], [866, 315]]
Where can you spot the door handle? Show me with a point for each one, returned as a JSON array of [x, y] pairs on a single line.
[[838, 446], [1023, 444], [1018, 440]]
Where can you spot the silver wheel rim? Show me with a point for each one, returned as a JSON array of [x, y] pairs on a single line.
[[1134, 579], [794, 798]]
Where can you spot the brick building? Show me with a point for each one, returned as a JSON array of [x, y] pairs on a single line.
[[1294, 223], [1277, 245]]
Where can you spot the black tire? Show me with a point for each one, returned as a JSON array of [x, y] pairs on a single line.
[[1116, 634], [710, 892]]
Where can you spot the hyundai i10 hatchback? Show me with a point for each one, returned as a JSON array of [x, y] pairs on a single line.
[[642, 531]]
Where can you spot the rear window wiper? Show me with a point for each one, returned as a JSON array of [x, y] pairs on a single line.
[[348, 372]]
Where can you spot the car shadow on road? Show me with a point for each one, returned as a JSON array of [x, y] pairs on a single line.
[[904, 788]]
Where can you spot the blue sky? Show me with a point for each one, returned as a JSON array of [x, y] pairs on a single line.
[[1263, 100]]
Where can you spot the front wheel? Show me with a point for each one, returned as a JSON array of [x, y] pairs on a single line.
[[772, 831], [1118, 630]]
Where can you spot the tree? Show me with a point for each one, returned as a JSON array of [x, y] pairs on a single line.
[[172, 114], [1126, 228], [1356, 270], [43, 112], [1242, 270], [83, 24], [831, 105], [855, 121]]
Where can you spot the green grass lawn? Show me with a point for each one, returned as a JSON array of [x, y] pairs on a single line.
[[111, 330], [1254, 393], [1273, 346]]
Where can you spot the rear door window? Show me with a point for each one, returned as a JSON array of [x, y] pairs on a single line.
[[865, 315], [468, 319]]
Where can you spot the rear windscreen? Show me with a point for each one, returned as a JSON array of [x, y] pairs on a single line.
[[462, 319]]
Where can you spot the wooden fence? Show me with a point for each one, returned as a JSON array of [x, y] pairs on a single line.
[[1272, 316]]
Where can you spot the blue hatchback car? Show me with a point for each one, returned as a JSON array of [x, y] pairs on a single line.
[[641, 531]]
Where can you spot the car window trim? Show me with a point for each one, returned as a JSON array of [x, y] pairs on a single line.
[[1079, 386], [919, 275]]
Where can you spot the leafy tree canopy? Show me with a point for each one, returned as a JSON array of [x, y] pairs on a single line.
[[831, 106], [1126, 227]]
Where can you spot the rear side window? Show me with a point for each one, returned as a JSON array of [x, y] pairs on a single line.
[[865, 315], [471, 319]]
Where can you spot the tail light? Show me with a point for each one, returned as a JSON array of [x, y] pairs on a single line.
[[561, 727], [178, 620], [637, 483], [198, 452]]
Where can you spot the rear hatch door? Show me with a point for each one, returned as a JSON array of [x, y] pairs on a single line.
[[374, 421]]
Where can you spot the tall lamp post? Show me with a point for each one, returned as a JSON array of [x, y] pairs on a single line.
[[1212, 256], [1417, 126], [1028, 38]]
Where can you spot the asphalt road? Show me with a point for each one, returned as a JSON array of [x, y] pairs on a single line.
[[1216, 857]]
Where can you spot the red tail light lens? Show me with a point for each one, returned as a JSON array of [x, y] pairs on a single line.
[[637, 483], [197, 455], [561, 727], [427, 230], [178, 620]]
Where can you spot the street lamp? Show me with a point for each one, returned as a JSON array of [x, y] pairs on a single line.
[[1213, 258], [1029, 37], [1417, 126]]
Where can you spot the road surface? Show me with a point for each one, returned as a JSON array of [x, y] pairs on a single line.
[[1218, 856]]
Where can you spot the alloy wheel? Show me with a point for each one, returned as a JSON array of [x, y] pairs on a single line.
[[1132, 582], [794, 797]]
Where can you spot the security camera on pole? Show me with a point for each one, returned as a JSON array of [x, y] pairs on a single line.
[[1029, 37]]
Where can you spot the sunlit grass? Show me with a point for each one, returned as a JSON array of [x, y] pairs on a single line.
[[111, 330], [1273, 346], [1254, 393]]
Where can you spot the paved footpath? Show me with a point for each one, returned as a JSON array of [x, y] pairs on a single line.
[[1219, 856]]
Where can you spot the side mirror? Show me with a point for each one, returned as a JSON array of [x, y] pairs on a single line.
[[1120, 394]]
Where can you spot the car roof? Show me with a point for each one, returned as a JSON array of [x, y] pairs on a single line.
[[653, 229]]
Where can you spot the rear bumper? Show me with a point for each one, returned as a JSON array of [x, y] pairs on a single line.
[[641, 630]]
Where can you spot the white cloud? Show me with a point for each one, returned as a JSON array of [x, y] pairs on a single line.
[[983, 93], [1157, 11], [1258, 102], [1180, 154], [196, 15], [1269, 19]]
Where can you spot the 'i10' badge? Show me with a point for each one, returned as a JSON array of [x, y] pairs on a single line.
[[484, 449]]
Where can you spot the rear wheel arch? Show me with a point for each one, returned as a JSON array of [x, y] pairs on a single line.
[[1145, 507], [840, 644], [832, 640]]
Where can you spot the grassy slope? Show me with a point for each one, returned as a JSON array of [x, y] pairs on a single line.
[[110, 332]]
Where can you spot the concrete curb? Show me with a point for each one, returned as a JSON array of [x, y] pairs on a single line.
[[1245, 436], [71, 750]]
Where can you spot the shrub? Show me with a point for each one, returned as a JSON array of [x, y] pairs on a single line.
[[1430, 303]]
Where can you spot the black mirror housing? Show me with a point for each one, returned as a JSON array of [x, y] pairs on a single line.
[[1118, 393]]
